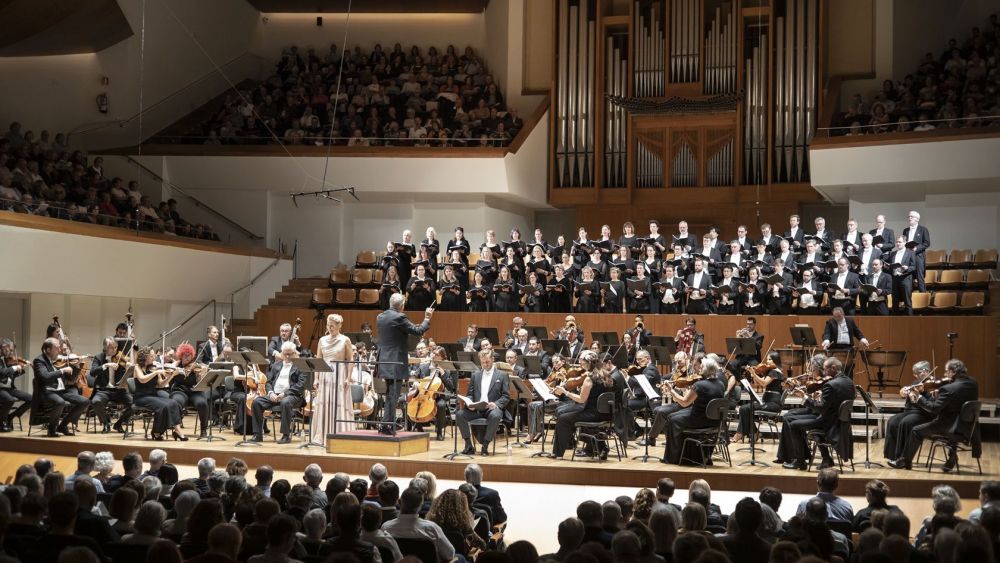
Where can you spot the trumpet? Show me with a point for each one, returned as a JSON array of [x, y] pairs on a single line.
[[744, 333]]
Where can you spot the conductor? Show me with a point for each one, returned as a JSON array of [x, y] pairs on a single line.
[[393, 331]]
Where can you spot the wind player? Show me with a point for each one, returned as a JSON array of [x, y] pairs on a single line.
[[837, 389], [58, 396], [284, 391], [107, 375], [9, 393]]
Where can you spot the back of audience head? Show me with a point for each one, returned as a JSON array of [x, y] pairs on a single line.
[[748, 515], [688, 546], [206, 466], [589, 512], [645, 500], [665, 489], [264, 475], [371, 517], [225, 539], [693, 517], [62, 512], [281, 533], [626, 504], [611, 516], [522, 552], [280, 490], [625, 546], [336, 485], [570, 534], [771, 496], [945, 500], [206, 514], [349, 520], [410, 501], [388, 493], [150, 518], [164, 551]]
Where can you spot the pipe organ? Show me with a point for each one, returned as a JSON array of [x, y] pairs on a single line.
[[684, 93]]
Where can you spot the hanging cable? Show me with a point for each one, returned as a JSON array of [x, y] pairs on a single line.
[[336, 100]]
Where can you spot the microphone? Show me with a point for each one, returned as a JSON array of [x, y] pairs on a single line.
[[350, 190]]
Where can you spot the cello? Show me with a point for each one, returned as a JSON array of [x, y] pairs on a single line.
[[256, 383], [422, 408]]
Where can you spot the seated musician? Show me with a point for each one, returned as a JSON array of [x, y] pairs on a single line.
[[535, 350], [511, 338], [693, 403], [638, 400], [583, 406], [809, 295], [58, 389], [182, 387], [284, 335], [813, 369], [771, 381], [11, 368], [874, 302], [284, 391], [538, 409], [897, 430], [431, 374], [470, 343], [151, 385], [574, 346], [489, 386], [682, 368], [844, 287], [361, 375], [825, 403], [211, 349], [107, 374], [841, 331], [957, 389]]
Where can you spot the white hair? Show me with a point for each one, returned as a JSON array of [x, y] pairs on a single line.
[[206, 466], [473, 474], [157, 456], [284, 326], [104, 461], [378, 473], [915, 214], [288, 347], [314, 523], [313, 474], [396, 301]]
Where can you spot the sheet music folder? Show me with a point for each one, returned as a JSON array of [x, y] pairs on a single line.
[[542, 390], [647, 388]]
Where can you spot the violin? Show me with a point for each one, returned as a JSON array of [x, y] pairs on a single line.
[[929, 384], [575, 376], [763, 368], [12, 361], [634, 369]]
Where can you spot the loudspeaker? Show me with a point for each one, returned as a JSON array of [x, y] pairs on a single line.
[[319, 21]]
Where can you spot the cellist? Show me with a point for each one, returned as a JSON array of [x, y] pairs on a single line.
[[428, 391]]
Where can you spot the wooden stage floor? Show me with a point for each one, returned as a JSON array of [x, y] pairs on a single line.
[[519, 466]]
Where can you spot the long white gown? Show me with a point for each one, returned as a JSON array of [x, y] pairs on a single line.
[[330, 393]]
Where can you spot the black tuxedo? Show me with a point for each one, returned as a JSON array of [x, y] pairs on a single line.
[[699, 306], [799, 237], [393, 334], [782, 303], [498, 393], [106, 391], [573, 349], [677, 284], [475, 343], [866, 265], [902, 283], [825, 416], [889, 239], [884, 288], [850, 289], [10, 394], [205, 352], [57, 401], [813, 309], [923, 239], [274, 345], [830, 332], [291, 399], [946, 409], [828, 237]]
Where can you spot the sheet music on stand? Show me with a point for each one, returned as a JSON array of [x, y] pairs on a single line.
[[647, 388], [129, 374], [751, 391], [542, 390]]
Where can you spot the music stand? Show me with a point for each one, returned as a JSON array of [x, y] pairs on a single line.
[[207, 383], [662, 355], [451, 350], [538, 332], [619, 357], [489, 333], [532, 364], [522, 390], [755, 399], [256, 343], [309, 366], [803, 335], [869, 407], [664, 342], [742, 346], [467, 357], [356, 337], [244, 359], [466, 366], [544, 395], [651, 395], [125, 345]]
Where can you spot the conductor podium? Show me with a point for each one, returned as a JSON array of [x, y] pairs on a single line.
[[371, 443]]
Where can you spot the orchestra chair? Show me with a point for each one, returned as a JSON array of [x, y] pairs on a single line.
[[931, 278], [345, 296], [977, 279], [951, 278], [961, 442], [985, 258], [920, 301], [935, 259], [818, 438], [357, 396], [422, 549], [960, 258], [340, 277], [944, 302], [38, 415], [971, 303], [368, 298], [482, 422], [138, 413], [600, 431], [362, 276], [710, 438], [366, 259], [770, 418]]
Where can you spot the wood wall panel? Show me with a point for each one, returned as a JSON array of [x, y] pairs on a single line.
[[921, 337]]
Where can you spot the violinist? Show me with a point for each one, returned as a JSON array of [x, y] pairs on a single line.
[[639, 401], [767, 375], [538, 409], [121, 331], [898, 429], [107, 371], [584, 405], [682, 370], [151, 393], [11, 367], [432, 375], [452, 296], [629, 345], [693, 403], [953, 391], [812, 372], [836, 388], [58, 396], [182, 386], [284, 391], [489, 386]]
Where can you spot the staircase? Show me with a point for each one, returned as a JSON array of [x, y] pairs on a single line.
[[296, 293]]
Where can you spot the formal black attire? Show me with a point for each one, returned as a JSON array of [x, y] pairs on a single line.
[[751, 298], [166, 412], [600, 270], [419, 294], [945, 410], [393, 334], [797, 239], [903, 273], [10, 394], [452, 297], [542, 269], [888, 239], [106, 391], [772, 402], [385, 292], [923, 239], [274, 345], [588, 303], [815, 291], [505, 296], [850, 289], [449, 382], [56, 396], [677, 285], [692, 417], [699, 306], [831, 330], [560, 301], [464, 249], [639, 401], [639, 304], [535, 303], [826, 411], [292, 399], [614, 296], [480, 299], [729, 308], [883, 285], [182, 392], [897, 430], [576, 412], [405, 256], [498, 393]]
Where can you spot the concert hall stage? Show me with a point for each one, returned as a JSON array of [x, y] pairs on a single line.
[[519, 466]]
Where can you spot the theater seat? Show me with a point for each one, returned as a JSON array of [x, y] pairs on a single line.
[[321, 298], [340, 277], [972, 302], [366, 259], [346, 296], [920, 300], [362, 276], [950, 278], [368, 297], [934, 259], [960, 258], [985, 258], [944, 302], [930, 278], [977, 278]]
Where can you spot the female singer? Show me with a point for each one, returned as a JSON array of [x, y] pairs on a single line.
[[514, 263], [751, 293], [431, 263], [651, 260], [623, 258], [390, 285], [628, 237], [559, 291], [555, 253], [487, 266], [491, 243], [606, 237], [771, 382], [614, 295], [539, 264], [420, 291], [580, 254], [569, 266], [433, 245], [656, 239], [505, 297], [460, 242], [151, 393], [638, 299], [461, 270], [520, 248], [332, 398], [539, 240], [588, 296], [405, 257], [452, 296], [480, 294], [535, 303], [584, 405]]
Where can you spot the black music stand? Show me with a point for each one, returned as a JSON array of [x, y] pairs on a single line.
[[207, 383], [309, 366], [662, 355], [256, 343], [489, 333], [755, 399], [522, 391], [663, 342], [540, 388], [870, 406], [539, 332], [532, 365], [803, 335]]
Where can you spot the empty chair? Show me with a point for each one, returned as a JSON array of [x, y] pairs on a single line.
[[960, 258], [368, 297], [366, 259], [944, 301], [340, 277], [362, 276], [971, 302], [951, 278], [321, 298], [930, 278], [346, 296], [934, 259], [920, 300], [377, 279], [985, 258], [977, 278]]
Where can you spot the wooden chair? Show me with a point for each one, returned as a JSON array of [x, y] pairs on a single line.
[[972, 302], [944, 301], [977, 278], [921, 300], [340, 277], [960, 258], [362, 276], [346, 296], [473, 258], [950, 278], [368, 297], [985, 258], [377, 279], [935, 259], [930, 278], [322, 298], [366, 259]]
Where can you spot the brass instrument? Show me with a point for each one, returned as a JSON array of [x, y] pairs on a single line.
[[686, 340], [744, 332]]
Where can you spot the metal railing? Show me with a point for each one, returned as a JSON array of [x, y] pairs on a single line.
[[163, 335], [232, 296]]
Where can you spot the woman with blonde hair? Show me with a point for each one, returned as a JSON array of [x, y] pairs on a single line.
[[332, 399], [432, 484]]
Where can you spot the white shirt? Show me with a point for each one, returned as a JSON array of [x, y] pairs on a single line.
[[412, 526], [874, 295], [898, 258], [866, 257], [281, 385], [843, 337], [214, 348], [852, 237], [697, 279], [668, 294], [785, 256], [484, 387], [912, 233], [792, 231], [842, 280]]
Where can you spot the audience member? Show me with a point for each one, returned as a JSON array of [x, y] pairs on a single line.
[[839, 509]]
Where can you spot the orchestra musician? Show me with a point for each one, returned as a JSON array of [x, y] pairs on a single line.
[[583, 407], [904, 267], [433, 374], [919, 235], [535, 349], [521, 344], [688, 339], [538, 409], [107, 373], [898, 429], [182, 387], [639, 401], [771, 380], [875, 302], [698, 284], [691, 414], [671, 291], [741, 361], [11, 367], [284, 391], [151, 385], [574, 345], [470, 343], [814, 367], [837, 388], [284, 335], [841, 331], [640, 336], [58, 389], [956, 389], [211, 350], [511, 337], [489, 387], [682, 367]]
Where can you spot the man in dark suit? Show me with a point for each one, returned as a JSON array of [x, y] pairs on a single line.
[[903, 264], [826, 236], [826, 417], [880, 230], [867, 253], [470, 343], [946, 407], [841, 331], [284, 335], [639, 401], [573, 346], [844, 287], [284, 390], [393, 330], [698, 282], [487, 497], [795, 233], [55, 394], [917, 233], [492, 387], [106, 375], [9, 393], [211, 349], [778, 298], [535, 349], [873, 303]]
